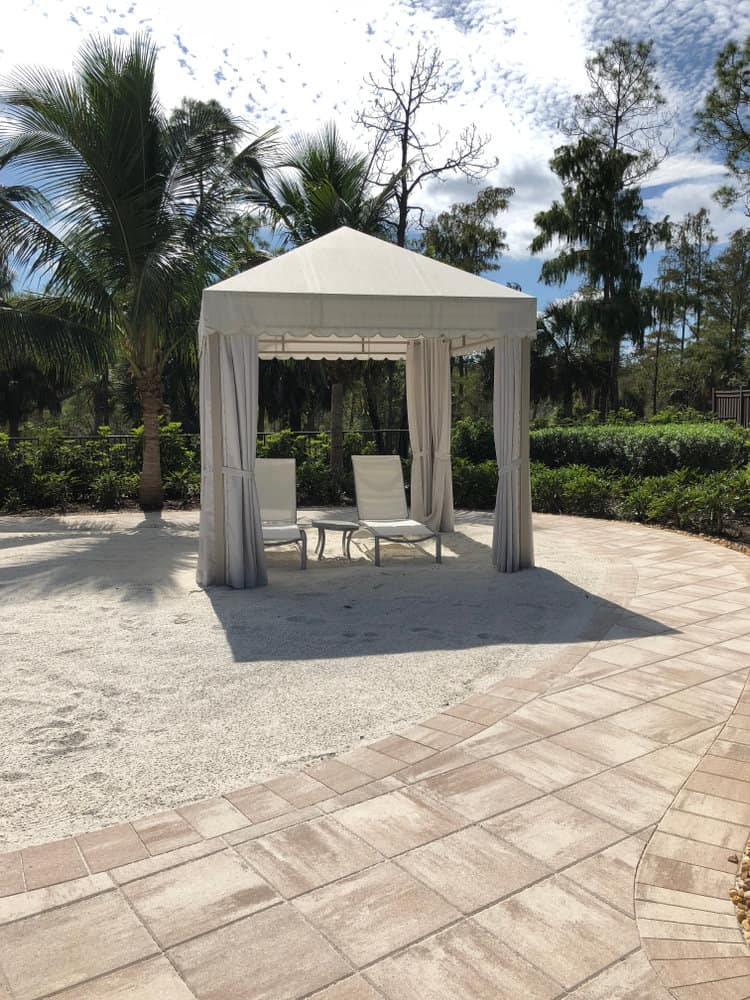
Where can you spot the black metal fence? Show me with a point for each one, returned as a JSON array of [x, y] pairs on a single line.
[[388, 440]]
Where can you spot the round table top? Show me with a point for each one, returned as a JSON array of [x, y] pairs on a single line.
[[334, 524]]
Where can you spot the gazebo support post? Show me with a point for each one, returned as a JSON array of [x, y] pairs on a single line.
[[512, 536]]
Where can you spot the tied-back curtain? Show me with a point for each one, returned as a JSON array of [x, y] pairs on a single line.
[[512, 539], [428, 400], [231, 537], [244, 558]]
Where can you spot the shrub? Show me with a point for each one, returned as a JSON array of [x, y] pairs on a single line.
[[357, 444], [642, 450], [712, 503], [285, 444], [573, 489], [473, 440], [184, 485], [679, 415], [49, 489], [474, 486], [622, 416], [176, 450], [110, 489], [315, 484]]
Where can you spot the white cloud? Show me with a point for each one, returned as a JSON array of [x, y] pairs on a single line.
[[679, 199], [686, 166], [514, 66]]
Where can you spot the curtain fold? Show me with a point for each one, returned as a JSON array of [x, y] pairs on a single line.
[[428, 400], [512, 538], [211, 533], [231, 535], [244, 556]]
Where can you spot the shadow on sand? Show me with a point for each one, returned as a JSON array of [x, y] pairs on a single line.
[[340, 609], [140, 561], [336, 608]]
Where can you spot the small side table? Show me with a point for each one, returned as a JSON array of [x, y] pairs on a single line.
[[347, 529]]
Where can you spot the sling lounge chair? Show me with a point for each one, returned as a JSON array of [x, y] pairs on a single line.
[[381, 503], [276, 480]]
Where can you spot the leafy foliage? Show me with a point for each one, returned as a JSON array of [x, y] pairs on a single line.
[[473, 440], [642, 450], [141, 207], [724, 120], [323, 183], [465, 236]]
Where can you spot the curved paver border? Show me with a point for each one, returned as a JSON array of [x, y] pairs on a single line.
[[490, 850], [685, 918]]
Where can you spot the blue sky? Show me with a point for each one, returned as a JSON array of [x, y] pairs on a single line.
[[513, 65]]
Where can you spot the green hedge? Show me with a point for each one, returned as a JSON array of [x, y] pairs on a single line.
[[710, 493], [640, 449], [712, 503], [643, 450], [50, 472]]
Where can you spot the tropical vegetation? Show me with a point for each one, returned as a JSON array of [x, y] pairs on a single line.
[[115, 212]]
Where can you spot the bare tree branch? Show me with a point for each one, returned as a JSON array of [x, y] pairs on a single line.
[[399, 144]]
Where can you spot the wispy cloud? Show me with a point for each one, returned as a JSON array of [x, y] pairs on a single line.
[[514, 66]]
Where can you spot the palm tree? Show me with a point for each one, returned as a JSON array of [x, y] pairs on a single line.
[[139, 207], [39, 357], [322, 184], [564, 335]]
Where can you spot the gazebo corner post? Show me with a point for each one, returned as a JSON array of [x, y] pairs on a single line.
[[428, 398], [211, 540], [512, 536]]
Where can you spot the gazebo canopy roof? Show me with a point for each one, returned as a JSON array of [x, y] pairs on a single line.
[[348, 295]]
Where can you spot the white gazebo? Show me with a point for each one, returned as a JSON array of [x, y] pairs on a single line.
[[351, 296]]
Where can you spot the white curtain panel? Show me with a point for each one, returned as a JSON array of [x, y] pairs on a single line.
[[512, 539], [428, 400], [211, 535], [245, 564]]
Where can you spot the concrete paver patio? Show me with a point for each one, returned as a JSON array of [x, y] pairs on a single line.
[[563, 834]]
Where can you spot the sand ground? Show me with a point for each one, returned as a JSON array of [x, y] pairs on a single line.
[[124, 688]]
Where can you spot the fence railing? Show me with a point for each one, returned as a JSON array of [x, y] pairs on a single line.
[[388, 439], [731, 404]]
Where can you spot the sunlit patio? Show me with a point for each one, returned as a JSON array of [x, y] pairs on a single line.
[[418, 780]]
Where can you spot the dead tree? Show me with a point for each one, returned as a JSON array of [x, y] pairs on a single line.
[[400, 146]]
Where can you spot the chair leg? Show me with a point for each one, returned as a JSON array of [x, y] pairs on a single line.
[[377, 551], [438, 549], [303, 550]]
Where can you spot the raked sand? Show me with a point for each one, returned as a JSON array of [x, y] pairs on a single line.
[[124, 688]]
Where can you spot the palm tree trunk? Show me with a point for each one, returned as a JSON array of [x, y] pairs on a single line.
[[150, 490], [373, 409], [101, 401], [403, 437], [614, 376], [337, 427], [567, 390]]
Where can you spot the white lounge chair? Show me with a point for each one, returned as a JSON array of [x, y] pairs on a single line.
[[276, 479], [381, 503]]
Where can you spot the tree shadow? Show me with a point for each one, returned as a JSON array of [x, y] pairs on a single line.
[[140, 561], [336, 608]]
